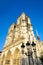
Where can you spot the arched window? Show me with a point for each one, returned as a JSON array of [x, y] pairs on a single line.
[[17, 57], [8, 57]]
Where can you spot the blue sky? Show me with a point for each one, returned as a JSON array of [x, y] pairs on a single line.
[[10, 10]]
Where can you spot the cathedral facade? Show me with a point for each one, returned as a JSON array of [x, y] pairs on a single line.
[[19, 33]]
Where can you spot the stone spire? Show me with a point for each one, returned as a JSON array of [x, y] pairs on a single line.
[[23, 18], [38, 37]]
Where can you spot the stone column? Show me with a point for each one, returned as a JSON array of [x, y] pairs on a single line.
[[4, 62], [11, 60], [34, 58]]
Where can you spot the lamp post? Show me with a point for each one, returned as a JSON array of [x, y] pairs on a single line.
[[34, 48], [23, 46], [29, 50]]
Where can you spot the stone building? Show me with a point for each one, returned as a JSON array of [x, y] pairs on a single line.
[[19, 33], [0, 56]]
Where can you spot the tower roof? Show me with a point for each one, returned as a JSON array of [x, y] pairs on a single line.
[[23, 14], [22, 18]]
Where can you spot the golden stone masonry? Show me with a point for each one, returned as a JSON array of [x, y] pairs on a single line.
[[19, 33]]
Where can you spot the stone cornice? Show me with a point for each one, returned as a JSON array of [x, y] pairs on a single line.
[[13, 44]]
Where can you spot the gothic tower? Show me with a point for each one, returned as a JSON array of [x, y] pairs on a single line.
[[18, 33]]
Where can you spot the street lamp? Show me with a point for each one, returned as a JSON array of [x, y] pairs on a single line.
[[28, 45], [29, 51], [33, 44], [22, 46], [34, 48]]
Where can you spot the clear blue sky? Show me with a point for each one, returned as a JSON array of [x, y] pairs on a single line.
[[11, 9]]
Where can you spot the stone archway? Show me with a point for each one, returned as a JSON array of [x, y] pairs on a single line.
[[16, 57], [8, 58], [2, 60]]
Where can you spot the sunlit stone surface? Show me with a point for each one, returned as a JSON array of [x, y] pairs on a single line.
[[20, 32]]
